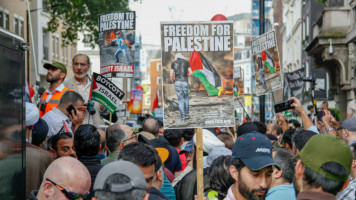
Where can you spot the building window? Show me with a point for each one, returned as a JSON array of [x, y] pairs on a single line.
[[55, 47], [16, 25], [148, 90], [148, 100], [44, 6], [247, 54], [21, 25], [64, 50], [158, 80], [86, 40], [159, 94], [1, 17], [159, 66], [6, 20], [45, 44]]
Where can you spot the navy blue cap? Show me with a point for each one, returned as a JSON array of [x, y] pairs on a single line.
[[254, 150], [188, 147]]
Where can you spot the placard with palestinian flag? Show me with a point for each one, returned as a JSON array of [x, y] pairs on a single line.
[[266, 63], [105, 92], [197, 71]]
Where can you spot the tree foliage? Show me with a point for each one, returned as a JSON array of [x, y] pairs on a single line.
[[80, 16]]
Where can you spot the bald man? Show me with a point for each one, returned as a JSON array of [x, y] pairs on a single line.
[[63, 173], [131, 136], [150, 128]]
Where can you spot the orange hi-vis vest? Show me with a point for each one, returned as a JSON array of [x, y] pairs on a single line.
[[45, 107]]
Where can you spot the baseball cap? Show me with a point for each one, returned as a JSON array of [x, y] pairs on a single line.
[[56, 65], [349, 124], [247, 127], [321, 149], [254, 150], [137, 179], [188, 148], [214, 154]]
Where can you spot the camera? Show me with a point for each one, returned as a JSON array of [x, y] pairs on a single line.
[[90, 107], [285, 105]]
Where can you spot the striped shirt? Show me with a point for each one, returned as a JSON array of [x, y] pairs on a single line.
[[56, 120]]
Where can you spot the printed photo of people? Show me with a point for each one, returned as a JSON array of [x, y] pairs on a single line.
[[198, 76]]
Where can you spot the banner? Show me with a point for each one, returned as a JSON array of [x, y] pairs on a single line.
[[105, 92], [294, 85], [136, 101], [266, 63], [198, 84], [116, 37]]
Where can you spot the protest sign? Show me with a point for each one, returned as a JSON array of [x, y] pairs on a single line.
[[266, 63], [136, 101], [105, 92], [198, 88], [293, 85], [116, 37]]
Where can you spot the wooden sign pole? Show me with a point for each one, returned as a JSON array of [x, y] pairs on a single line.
[[199, 158]]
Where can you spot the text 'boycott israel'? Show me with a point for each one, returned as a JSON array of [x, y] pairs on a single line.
[[105, 92]]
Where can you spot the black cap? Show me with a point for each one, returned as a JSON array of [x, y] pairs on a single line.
[[254, 150]]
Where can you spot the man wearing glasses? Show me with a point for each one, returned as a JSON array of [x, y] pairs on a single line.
[[117, 137], [66, 178]]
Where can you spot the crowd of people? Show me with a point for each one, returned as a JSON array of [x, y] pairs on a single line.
[[70, 156]]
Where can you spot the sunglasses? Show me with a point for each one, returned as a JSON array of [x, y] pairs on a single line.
[[70, 195]]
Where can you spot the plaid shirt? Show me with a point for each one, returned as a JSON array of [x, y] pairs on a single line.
[[349, 192]]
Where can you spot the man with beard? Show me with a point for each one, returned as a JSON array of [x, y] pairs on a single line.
[[323, 165], [81, 83], [55, 76], [251, 168], [62, 145]]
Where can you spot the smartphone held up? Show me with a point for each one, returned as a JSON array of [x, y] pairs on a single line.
[[283, 106]]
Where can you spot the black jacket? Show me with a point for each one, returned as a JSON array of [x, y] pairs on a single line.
[[93, 165], [180, 67], [155, 194], [33, 195]]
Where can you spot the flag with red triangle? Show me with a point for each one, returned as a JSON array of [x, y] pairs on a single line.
[[105, 92], [155, 104]]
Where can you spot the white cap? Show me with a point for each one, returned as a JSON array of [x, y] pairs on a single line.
[[32, 114]]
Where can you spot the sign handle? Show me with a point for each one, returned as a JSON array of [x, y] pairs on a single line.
[[199, 158], [110, 117]]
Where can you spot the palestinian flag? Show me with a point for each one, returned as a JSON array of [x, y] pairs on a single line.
[[105, 92], [206, 73], [268, 61], [155, 105]]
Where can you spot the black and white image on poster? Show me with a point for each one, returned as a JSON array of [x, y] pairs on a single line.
[[266, 63], [197, 70], [293, 85], [116, 38]]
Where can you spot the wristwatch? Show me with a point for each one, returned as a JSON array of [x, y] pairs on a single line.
[[330, 129]]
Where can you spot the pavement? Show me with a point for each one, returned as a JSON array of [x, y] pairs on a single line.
[[205, 111]]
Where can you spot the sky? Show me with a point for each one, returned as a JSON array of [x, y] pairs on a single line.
[[149, 13]]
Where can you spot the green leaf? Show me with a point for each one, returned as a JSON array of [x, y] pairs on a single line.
[[79, 16]]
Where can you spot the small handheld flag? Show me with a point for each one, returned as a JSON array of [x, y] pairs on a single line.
[[105, 92]]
